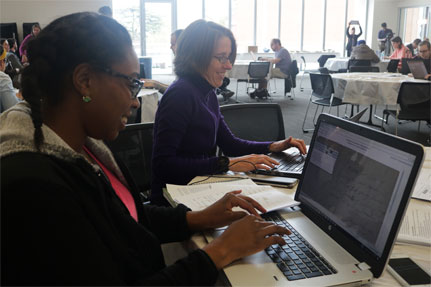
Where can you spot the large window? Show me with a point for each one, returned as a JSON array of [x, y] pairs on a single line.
[[266, 23], [356, 10], [415, 23], [313, 28], [187, 12], [128, 13], [291, 21], [243, 24], [334, 29], [217, 11]]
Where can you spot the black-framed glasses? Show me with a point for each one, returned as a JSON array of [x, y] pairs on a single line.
[[135, 85], [222, 59]]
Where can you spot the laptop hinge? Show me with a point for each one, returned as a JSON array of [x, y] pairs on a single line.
[[363, 266]]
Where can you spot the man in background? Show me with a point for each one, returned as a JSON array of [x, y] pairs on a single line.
[[363, 52], [413, 46], [7, 93], [384, 37], [424, 53], [105, 11]]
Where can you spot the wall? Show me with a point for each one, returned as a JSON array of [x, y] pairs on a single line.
[[44, 11]]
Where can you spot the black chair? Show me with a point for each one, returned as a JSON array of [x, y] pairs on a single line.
[[290, 81], [324, 71], [133, 150], [393, 65], [414, 102], [9, 30], [257, 72], [26, 28], [356, 62], [322, 95], [364, 69], [255, 122], [305, 71], [323, 58]]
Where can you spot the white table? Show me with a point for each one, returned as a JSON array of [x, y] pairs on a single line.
[[149, 99], [335, 64], [240, 70]]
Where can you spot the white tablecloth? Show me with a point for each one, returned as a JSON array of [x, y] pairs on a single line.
[[369, 88], [240, 70], [149, 99], [334, 64]]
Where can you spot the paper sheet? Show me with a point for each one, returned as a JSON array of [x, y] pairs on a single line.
[[416, 227], [422, 188]]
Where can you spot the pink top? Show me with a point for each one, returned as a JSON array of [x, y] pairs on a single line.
[[403, 52], [122, 191]]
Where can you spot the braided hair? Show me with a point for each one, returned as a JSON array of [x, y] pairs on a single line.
[[60, 47]]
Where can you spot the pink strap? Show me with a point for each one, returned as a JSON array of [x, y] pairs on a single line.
[[122, 191]]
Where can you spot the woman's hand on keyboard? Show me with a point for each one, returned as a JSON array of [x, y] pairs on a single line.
[[244, 237], [288, 143], [221, 214], [251, 162]]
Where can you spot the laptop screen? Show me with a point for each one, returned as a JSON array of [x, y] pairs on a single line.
[[356, 183]]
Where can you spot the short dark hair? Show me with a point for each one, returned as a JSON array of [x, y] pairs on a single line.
[[384, 25], [196, 46], [276, 41], [11, 42], [425, 43], [397, 39], [417, 41], [35, 25], [54, 54], [105, 11]]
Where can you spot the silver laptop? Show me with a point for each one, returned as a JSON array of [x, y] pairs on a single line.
[[354, 192], [418, 69]]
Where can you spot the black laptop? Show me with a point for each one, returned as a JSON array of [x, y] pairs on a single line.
[[393, 65]]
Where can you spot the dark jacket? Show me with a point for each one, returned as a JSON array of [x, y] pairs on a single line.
[[363, 52], [63, 224], [352, 40]]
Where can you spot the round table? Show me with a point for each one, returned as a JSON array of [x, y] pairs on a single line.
[[335, 64]]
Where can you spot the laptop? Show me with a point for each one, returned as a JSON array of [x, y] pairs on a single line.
[[418, 69], [393, 65], [291, 163], [355, 189]]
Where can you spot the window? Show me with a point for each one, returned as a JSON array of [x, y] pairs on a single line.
[[356, 10], [335, 30], [243, 24], [415, 23], [217, 11], [313, 23], [266, 23], [127, 13], [290, 27], [187, 12]]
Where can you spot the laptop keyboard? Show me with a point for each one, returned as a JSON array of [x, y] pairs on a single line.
[[295, 162], [297, 259]]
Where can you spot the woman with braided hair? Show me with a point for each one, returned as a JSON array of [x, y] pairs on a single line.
[[68, 216]]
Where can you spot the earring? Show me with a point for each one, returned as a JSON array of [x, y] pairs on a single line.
[[86, 99]]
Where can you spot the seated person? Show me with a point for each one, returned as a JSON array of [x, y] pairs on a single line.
[[363, 52], [413, 46], [189, 126], [7, 92], [424, 53], [153, 84], [69, 216], [400, 51], [282, 61]]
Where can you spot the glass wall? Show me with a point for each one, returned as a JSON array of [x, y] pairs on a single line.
[[266, 24], [243, 24], [291, 23], [313, 28], [127, 12], [217, 11], [415, 23], [334, 28], [187, 12]]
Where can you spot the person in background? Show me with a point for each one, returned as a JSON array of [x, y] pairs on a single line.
[[413, 46], [153, 84], [363, 52], [15, 66], [400, 51], [282, 61], [384, 36], [352, 38], [69, 217], [13, 46], [35, 30], [189, 126], [7, 93], [424, 53], [105, 11]]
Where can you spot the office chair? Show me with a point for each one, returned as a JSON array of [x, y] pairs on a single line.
[[290, 81], [393, 65], [305, 71], [414, 104], [356, 62], [133, 150], [323, 58], [322, 95], [364, 69], [257, 71], [255, 122]]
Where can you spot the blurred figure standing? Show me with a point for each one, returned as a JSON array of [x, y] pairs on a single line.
[[384, 37], [352, 38]]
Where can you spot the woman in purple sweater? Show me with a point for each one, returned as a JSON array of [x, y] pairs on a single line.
[[188, 124]]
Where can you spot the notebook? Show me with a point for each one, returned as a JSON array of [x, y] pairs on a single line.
[[355, 189], [418, 69]]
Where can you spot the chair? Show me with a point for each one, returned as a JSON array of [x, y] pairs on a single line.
[[305, 71], [322, 95], [323, 58], [356, 62], [290, 81], [364, 69], [393, 65], [257, 72], [255, 122], [133, 150], [324, 70], [414, 102]]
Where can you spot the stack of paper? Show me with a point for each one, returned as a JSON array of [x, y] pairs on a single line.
[[200, 196], [422, 189]]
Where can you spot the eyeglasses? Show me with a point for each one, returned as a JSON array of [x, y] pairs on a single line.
[[135, 85], [222, 59]]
